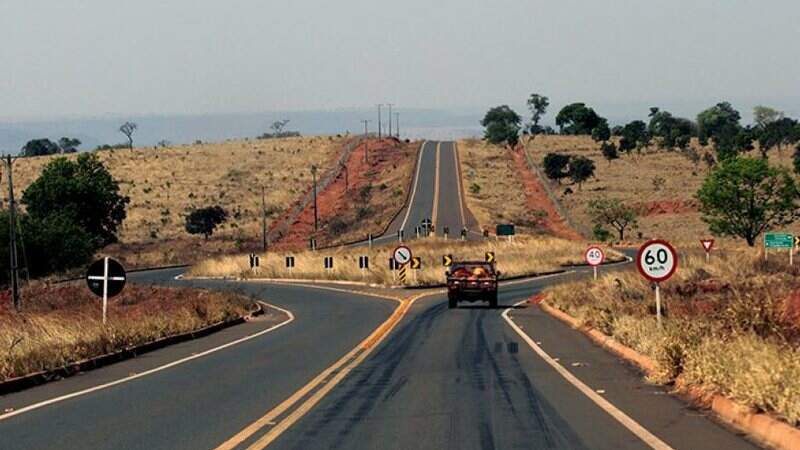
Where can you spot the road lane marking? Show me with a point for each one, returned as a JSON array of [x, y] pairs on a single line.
[[344, 366], [414, 188], [642, 433], [435, 212], [153, 370], [459, 185]]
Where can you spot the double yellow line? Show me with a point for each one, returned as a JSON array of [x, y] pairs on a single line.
[[315, 390]]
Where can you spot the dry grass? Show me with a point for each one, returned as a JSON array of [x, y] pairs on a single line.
[[62, 324], [526, 255], [164, 183], [494, 190], [672, 208], [731, 326]]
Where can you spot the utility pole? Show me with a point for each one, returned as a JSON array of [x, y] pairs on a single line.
[[379, 120], [12, 234], [263, 221], [314, 180], [390, 119], [397, 123], [366, 128]]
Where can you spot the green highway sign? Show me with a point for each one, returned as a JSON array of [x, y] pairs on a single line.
[[505, 230], [778, 240]]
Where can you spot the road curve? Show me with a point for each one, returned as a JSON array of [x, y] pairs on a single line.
[[199, 404]]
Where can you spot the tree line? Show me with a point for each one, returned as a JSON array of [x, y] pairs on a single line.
[[742, 196]]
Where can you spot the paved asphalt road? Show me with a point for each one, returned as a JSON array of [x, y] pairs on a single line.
[[436, 195], [443, 379]]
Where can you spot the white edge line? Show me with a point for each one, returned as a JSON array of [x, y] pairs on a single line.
[[153, 370], [414, 189], [642, 433]]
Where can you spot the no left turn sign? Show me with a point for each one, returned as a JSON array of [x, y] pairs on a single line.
[[657, 260]]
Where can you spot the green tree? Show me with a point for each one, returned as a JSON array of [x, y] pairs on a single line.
[[581, 169], [68, 145], [720, 124], [502, 126], [614, 213], [556, 166], [609, 151], [39, 147], [205, 220], [634, 136], [83, 190], [777, 133], [601, 132], [537, 104], [744, 197], [577, 119], [670, 132]]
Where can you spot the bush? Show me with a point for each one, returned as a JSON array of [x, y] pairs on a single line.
[[205, 220], [555, 166]]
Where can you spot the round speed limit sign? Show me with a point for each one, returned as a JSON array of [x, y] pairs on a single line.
[[657, 260], [595, 256]]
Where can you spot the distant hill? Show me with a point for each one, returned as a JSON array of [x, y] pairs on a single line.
[[184, 129]]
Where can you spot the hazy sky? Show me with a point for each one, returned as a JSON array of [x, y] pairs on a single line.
[[97, 57]]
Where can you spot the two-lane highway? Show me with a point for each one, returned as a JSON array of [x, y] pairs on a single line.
[[436, 195], [463, 379]]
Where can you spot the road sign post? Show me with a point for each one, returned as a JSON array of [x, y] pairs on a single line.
[[402, 255], [489, 257], [779, 240], [707, 244], [106, 278], [594, 257], [657, 262], [290, 263], [369, 238], [447, 260], [416, 265]]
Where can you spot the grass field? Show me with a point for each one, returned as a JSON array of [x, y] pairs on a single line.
[[731, 326], [164, 183], [661, 183], [493, 187], [526, 255], [61, 324]]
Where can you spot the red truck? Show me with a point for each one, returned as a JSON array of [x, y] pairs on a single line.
[[472, 281]]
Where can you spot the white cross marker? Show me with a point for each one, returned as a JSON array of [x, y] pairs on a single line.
[[105, 279]]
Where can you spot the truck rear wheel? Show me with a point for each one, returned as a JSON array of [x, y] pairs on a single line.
[[452, 301], [493, 300]]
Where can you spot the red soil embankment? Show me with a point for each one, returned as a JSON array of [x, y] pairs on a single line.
[[337, 196], [537, 199]]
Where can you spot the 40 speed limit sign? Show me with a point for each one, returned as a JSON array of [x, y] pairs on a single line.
[[657, 261], [594, 257]]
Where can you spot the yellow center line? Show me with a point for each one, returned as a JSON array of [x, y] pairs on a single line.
[[435, 213], [347, 363]]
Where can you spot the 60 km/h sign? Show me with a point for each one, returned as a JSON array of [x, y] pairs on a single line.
[[657, 261]]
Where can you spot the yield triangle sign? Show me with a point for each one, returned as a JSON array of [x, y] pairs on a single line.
[[707, 244]]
